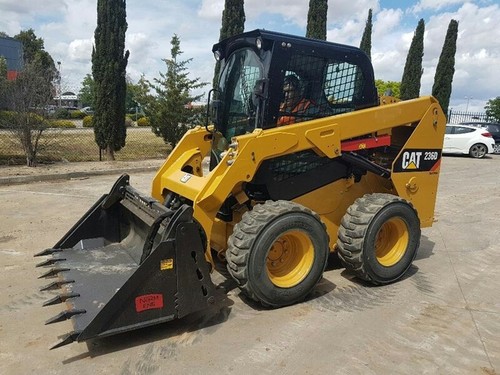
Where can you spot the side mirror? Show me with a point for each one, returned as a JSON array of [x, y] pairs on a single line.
[[214, 110]]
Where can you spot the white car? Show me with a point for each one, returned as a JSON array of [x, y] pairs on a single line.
[[87, 110], [466, 139]]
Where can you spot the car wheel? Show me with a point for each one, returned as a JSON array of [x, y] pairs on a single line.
[[496, 148], [478, 151]]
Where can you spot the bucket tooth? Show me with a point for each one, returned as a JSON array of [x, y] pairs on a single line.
[[67, 339], [50, 262], [60, 299], [53, 272], [55, 285], [64, 315], [47, 252]]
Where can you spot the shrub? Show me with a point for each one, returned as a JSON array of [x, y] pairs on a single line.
[[6, 118], [135, 116], [87, 122], [77, 115], [61, 124], [143, 121], [128, 122], [61, 113]]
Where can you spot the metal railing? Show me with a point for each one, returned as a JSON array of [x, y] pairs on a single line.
[[457, 117]]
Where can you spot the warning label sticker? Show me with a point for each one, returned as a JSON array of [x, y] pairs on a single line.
[[166, 264], [148, 302]]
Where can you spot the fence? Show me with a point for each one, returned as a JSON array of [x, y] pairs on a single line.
[[78, 144], [456, 117]]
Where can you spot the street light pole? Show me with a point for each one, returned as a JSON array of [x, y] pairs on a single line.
[[467, 106], [59, 81]]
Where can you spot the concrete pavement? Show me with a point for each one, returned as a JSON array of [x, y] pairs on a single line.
[[442, 318]]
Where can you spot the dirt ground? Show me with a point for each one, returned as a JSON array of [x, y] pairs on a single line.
[[443, 317], [88, 168]]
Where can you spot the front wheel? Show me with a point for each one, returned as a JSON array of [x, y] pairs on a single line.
[[478, 151], [379, 237], [278, 252]]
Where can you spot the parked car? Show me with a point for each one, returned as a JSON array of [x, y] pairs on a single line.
[[467, 139], [87, 110], [493, 128]]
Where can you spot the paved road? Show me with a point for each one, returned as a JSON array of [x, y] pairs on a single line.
[[443, 318]]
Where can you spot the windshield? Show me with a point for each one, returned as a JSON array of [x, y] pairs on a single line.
[[236, 86]]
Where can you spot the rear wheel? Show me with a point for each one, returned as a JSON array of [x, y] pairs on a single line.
[[278, 252], [496, 148], [478, 150], [379, 237]]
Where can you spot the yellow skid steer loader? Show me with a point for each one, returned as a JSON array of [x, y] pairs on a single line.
[[304, 159]]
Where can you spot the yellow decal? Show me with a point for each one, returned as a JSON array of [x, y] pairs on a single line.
[[166, 264]]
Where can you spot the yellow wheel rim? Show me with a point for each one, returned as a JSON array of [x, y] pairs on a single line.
[[290, 259], [392, 241]]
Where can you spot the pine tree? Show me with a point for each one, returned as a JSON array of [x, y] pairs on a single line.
[[366, 40], [170, 111], [233, 23], [446, 67], [108, 69], [316, 19], [410, 83]]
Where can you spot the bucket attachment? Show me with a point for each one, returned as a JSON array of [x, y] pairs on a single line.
[[128, 263]]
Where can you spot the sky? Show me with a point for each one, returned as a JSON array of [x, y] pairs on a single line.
[[67, 28]]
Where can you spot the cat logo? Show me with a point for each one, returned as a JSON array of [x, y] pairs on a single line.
[[411, 160], [418, 160]]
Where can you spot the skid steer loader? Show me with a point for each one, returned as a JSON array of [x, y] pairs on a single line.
[[351, 173]]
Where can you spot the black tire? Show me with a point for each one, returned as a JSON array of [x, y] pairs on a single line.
[[278, 252], [379, 237], [496, 148], [478, 150]]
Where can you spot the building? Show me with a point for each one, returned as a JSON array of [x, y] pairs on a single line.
[[12, 50], [68, 100]]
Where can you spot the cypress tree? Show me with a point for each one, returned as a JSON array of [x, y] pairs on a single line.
[[366, 40], [316, 19], [446, 67], [410, 83], [233, 23], [108, 69]]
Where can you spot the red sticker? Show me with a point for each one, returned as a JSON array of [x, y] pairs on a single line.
[[148, 302]]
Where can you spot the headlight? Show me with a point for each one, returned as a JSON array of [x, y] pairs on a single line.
[[258, 43]]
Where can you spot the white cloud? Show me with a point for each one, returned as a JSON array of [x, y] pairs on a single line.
[[80, 50], [435, 4], [386, 21]]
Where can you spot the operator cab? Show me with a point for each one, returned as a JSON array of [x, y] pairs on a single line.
[[334, 78]]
